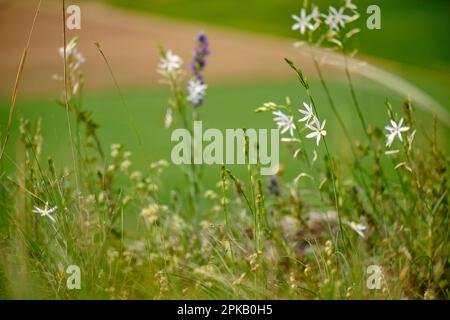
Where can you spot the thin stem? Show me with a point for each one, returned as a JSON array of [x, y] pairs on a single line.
[[180, 106], [18, 81], [66, 99], [341, 123]]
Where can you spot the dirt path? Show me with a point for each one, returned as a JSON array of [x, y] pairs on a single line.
[[130, 42]]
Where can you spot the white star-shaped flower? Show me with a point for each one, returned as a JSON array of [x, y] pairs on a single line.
[[317, 130], [45, 212], [358, 228], [170, 62], [395, 131], [196, 91], [339, 16], [308, 112], [335, 18], [330, 21], [285, 123], [73, 54], [303, 22]]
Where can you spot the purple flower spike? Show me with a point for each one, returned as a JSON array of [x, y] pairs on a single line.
[[200, 53]]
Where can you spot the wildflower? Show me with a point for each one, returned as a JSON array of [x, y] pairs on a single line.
[[395, 131], [318, 130], [73, 56], [197, 92], [339, 16], [170, 62], [45, 212], [308, 112], [196, 86], [285, 123], [335, 18], [330, 21], [358, 228], [200, 54], [73, 59], [303, 22]]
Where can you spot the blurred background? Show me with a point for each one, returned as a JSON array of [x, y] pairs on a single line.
[[248, 40]]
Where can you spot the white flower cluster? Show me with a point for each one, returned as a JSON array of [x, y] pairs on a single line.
[[313, 123], [196, 91], [170, 62], [336, 19], [286, 123], [74, 58], [170, 66]]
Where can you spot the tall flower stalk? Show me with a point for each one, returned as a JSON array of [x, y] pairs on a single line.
[[170, 67], [197, 86], [336, 31], [318, 131]]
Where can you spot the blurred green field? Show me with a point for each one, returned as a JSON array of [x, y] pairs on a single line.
[[413, 32]]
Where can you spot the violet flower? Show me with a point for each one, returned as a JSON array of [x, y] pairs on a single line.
[[200, 53], [197, 86]]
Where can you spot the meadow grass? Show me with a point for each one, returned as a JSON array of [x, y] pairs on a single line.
[[137, 226], [147, 110]]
